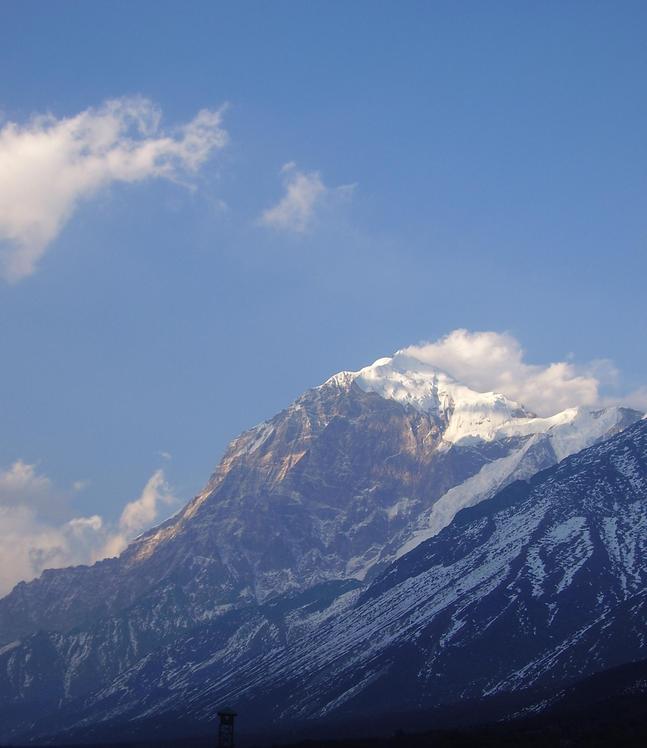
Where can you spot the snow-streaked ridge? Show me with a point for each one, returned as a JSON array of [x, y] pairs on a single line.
[[569, 433]]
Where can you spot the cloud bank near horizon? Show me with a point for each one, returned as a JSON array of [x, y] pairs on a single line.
[[38, 533], [49, 165]]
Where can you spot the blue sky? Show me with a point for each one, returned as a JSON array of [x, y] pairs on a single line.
[[464, 165]]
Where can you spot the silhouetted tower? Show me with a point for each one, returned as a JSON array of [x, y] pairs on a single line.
[[226, 729]]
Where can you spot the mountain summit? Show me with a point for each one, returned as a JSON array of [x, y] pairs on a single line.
[[468, 416], [316, 501]]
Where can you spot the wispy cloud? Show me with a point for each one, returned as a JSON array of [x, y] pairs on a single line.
[[34, 537], [49, 165], [305, 193], [140, 514]]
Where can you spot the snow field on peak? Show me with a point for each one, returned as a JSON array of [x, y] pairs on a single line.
[[470, 416], [413, 383]]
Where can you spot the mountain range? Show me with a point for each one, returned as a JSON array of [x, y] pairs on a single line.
[[392, 540]]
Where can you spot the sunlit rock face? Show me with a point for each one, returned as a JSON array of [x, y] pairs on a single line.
[[315, 502]]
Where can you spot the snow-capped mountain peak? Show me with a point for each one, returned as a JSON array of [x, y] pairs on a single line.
[[468, 416]]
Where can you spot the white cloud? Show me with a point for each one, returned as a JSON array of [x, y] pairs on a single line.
[[305, 192], [33, 539], [140, 514], [27, 546], [20, 482], [49, 165], [492, 361], [22, 485]]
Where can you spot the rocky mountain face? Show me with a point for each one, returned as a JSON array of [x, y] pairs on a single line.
[[301, 570], [539, 586]]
